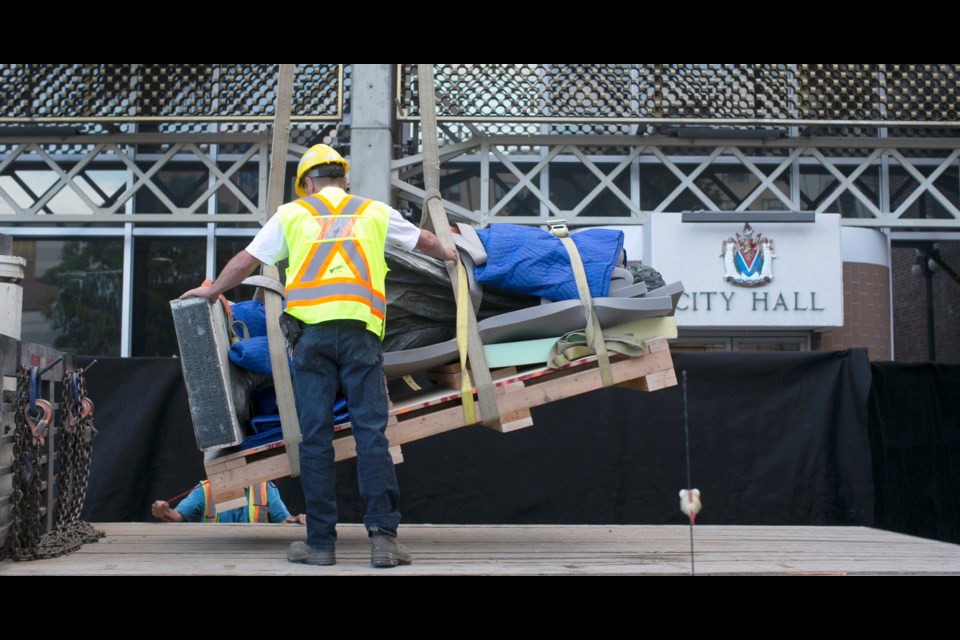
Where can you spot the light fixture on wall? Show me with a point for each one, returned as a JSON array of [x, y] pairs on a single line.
[[925, 259]]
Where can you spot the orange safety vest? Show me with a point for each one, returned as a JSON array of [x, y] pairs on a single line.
[[337, 268], [257, 510]]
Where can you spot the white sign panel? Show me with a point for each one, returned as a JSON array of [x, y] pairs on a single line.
[[751, 275]]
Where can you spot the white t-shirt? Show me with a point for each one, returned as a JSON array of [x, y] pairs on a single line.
[[269, 247]]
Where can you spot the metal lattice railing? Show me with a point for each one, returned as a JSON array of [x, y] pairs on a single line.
[[742, 94], [157, 178], [164, 92], [886, 185]]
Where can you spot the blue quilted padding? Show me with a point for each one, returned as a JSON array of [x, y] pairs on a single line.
[[252, 314], [252, 354], [266, 429], [530, 260]]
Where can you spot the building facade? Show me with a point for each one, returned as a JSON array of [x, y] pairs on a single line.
[[124, 185]]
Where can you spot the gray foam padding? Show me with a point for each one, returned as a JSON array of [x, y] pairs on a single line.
[[545, 321]]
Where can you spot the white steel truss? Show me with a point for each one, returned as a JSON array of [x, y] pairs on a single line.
[[521, 163], [688, 161], [141, 159]]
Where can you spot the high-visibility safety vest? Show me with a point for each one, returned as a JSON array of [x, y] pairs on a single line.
[[337, 268], [257, 510]]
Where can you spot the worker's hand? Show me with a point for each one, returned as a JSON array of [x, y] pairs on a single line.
[[200, 292], [450, 255], [159, 509], [300, 519]]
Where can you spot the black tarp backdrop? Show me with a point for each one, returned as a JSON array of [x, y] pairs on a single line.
[[915, 438], [145, 449], [775, 439]]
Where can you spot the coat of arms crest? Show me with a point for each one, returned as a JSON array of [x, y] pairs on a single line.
[[748, 260]]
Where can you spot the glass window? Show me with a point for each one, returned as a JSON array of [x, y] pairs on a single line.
[[247, 180], [903, 184], [710, 343], [181, 183], [570, 183], [780, 344], [817, 184], [226, 249], [657, 182], [693, 345], [460, 184], [729, 186], [502, 181], [73, 294], [163, 268]]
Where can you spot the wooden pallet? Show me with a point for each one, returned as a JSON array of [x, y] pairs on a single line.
[[435, 411]]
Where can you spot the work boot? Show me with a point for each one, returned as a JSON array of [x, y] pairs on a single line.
[[302, 552], [386, 552]]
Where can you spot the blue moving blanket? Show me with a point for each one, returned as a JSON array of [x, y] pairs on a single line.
[[252, 354], [530, 260]]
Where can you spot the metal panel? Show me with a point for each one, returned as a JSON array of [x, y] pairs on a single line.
[[83, 93], [748, 95]]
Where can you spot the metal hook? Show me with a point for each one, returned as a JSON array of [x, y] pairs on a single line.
[[38, 421], [51, 365]]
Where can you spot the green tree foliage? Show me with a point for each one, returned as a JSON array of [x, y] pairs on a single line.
[[87, 308]]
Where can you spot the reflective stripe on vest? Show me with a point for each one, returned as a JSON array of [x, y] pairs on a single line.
[[315, 281], [257, 507], [209, 510], [257, 503]]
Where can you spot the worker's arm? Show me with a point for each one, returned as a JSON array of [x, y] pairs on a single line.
[[162, 511], [430, 245], [239, 267]]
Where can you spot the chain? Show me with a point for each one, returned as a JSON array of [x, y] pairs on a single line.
[[27, 527], [74, 445]]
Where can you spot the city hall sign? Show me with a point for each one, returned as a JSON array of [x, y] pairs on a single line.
[[738, 288]]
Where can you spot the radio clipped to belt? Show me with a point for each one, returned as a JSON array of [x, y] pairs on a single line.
[[292, 329]]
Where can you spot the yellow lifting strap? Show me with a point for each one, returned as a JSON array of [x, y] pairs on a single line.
[[593, 333], [435, 218], [463, 323]]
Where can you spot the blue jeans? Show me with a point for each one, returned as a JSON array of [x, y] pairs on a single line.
[[343, 351]]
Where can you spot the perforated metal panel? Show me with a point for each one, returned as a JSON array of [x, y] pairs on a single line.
[[895, 93], [141, 92], [839, 92], [922, 92]]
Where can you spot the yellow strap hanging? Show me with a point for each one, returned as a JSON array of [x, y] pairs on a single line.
[[594, 333], [466, 386]]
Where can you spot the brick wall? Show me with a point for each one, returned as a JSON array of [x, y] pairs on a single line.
[[910, 307], [866, 313]]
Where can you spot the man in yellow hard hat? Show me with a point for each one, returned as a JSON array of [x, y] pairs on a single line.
[[335, 295]]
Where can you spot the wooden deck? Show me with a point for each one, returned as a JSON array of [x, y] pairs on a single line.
[[242, 549]]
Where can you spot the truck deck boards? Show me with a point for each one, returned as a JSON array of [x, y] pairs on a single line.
[[260, 549]]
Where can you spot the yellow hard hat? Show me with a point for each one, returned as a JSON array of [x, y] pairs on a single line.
[[326, 161]]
